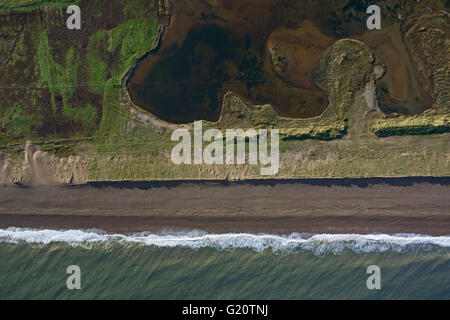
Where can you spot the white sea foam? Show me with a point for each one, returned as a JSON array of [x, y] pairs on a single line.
[[196, 239]]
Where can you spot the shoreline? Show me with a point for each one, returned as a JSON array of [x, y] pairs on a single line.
[[418, 205], [257, 225]]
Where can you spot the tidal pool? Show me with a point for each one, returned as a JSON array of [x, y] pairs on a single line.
[[266, 51], [208, 51]]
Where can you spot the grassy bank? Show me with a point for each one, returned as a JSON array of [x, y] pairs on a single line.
[[69, 92]]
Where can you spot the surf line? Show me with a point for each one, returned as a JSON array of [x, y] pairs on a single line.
[[235, 141]]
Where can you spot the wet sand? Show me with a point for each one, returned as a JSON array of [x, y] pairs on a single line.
[[410, 205]]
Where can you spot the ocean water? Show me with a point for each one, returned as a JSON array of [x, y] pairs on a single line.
[[197, 265]]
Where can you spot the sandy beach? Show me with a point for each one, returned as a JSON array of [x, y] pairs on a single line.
[[396, 205]]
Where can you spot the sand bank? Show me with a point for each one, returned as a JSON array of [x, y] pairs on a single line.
[[410, 205]]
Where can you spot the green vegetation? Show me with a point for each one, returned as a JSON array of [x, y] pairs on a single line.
[[115, 115], [134, 38], [132, 144], [139, 8], [29, 5], [318, 133], [415, 125], [370, 157], [96, 61], [86, 116], [17, 123], [21, 51], [63, 80], [63, 68]]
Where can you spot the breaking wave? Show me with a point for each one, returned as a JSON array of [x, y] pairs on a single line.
[[196, 239]]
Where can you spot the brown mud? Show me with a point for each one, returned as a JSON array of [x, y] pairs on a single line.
[[236, 58], [266, 51], [399, 89]]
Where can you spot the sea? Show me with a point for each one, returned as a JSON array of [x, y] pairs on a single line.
[[38, 264]]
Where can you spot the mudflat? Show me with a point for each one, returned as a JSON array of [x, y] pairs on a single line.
[[406, 205]]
